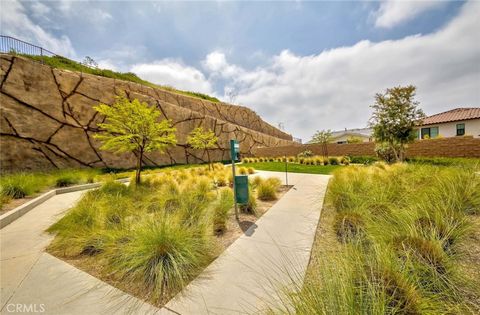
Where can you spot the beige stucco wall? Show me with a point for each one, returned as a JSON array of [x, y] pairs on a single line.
[[472, 128]]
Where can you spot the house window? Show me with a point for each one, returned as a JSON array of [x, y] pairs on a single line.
[[460, 129], [429, 133]]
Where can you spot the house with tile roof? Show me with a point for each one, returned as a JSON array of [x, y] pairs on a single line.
[[350, 135], [453, 123]]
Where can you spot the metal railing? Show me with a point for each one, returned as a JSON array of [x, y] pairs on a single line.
[[10, 44]]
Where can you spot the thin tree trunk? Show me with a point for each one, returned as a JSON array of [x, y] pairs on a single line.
[[139, 167], [209, 161]]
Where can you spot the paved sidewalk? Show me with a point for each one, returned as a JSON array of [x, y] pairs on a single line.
[[239, 281], [247, 275], [38, 281]]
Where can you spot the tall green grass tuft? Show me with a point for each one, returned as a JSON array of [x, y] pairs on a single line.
[[222, 211]]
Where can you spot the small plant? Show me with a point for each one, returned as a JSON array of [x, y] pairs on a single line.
[[65, 181], [222, 211], [221, 181], [345, 160], [306, 153], [349, 226], [251, 205], [251, 170], [242, 171], [13, 190], [318, 161], [266, 191], [333, 160]]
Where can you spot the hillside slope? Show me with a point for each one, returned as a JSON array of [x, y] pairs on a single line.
[[47, 119]]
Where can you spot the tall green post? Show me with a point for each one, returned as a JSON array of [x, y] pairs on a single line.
[[234, 154]]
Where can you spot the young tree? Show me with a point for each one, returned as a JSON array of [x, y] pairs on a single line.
[[133, 126], [323, 137], [202, 140], [394, 117]]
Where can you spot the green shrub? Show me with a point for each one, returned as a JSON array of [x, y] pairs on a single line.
[[266, 191], [163, 254], [221, 181], [251, 205], [242, 171], [66, 180], [14, 190], [222, 210], [333, 160]]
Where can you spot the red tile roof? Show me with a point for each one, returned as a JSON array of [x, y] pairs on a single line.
[[453, 115]]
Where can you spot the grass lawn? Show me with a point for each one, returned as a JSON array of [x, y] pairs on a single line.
[[293, 167]]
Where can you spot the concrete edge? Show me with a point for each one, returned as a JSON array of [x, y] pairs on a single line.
[[14, 214]]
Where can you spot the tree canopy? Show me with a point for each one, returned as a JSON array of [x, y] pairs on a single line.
[[201, 139], [395, 114], [134, 126]]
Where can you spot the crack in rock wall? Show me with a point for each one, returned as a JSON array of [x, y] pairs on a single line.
[[47, 120]]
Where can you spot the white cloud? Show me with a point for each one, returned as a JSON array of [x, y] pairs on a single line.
[[173, 73], [216, 63], [394, 12], [333, 89], [16, 23]]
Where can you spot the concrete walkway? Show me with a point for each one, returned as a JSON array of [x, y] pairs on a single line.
[[33, 281], [246, 277], [239, 281]]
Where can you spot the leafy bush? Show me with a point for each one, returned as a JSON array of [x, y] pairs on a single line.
[[385, 152], [333, 160], [250, 170]]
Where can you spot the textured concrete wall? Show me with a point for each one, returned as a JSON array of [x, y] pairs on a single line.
[[47, 120], [442, 147]]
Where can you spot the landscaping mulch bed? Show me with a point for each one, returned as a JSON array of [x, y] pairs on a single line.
[[235, 229]]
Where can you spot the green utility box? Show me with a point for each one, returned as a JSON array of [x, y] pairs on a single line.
[[241, 189]]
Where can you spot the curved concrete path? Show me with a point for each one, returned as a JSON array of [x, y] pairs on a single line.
[[239, 281], [246, 277]]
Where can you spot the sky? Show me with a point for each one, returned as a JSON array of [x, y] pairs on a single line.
[[307, 65]]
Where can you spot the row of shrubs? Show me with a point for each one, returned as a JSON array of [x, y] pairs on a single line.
[[402, 233], [314, 160], [152, 239]]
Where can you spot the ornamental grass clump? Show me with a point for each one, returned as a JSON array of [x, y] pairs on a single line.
[[221, 211], [162, 254], [266, 191], [395, 239], [152, 238]]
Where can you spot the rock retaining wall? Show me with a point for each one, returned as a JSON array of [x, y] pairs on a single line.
[[47, 120]]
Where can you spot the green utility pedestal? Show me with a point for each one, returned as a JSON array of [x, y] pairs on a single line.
[[241, 189]]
